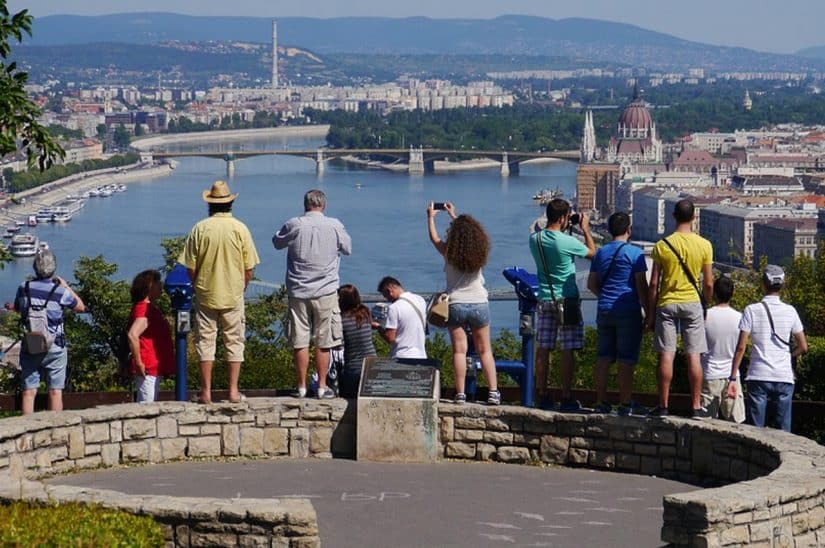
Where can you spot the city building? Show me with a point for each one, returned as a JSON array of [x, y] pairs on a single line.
[[780, 240], [767, 185], [714, 142], [650, 211], [729, 228], [636, 140], [588, 146], [87, 149], [274, 76], [596, 186]]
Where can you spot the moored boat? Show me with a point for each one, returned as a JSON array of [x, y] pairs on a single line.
[[44, 215], [544, 195], [24, 245], [61, 215]]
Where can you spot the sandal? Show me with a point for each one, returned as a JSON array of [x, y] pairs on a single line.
[[200, 400], [239, 399]]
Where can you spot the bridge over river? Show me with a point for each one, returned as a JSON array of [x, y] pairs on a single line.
[[418, 160]]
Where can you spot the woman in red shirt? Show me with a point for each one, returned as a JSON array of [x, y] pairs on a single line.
[[150, 338]]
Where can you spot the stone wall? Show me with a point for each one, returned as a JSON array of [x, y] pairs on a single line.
[[49, 443], [764, 486]]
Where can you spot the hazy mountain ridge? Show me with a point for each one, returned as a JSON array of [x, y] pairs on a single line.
[[815, 51], [591, 39]]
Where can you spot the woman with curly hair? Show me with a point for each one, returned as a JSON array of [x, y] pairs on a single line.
[[356, 322], [465, 253]]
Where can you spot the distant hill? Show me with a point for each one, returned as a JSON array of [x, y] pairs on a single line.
[[586, 39], [816, 52]]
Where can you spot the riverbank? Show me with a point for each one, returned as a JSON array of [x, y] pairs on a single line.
[[441, 166], [218, 136], [57, 191]]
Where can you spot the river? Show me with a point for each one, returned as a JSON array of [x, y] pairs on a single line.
[[384, 213]]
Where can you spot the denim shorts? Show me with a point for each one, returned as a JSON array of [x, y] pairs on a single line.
[[474, 315], [620, 335], [52, 366]]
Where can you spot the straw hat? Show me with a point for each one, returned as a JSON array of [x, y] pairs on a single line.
[[219, 194]]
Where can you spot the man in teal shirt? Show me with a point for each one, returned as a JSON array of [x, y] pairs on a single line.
[[555, 253]]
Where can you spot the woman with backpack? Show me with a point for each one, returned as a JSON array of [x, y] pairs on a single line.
[[150, 338], [465, 250], [41, 303]]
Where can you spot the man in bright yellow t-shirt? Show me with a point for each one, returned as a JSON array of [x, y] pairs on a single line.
[[675, 303]]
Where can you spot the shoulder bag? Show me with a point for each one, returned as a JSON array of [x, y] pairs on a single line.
[[566, 311], [417, 311], [690, 278], [773, 329], [612, 263], [438, 310]]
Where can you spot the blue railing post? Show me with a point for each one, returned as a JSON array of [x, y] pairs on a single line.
[[180, 290], [527, 310], [526, 286]]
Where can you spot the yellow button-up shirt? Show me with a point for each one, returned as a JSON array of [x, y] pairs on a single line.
[[219, 249]]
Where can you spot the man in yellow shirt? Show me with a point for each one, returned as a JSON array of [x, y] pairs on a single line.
[[677, 302], [220, 256]]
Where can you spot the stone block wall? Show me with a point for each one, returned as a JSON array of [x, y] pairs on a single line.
[[50, 443], [766, 487]]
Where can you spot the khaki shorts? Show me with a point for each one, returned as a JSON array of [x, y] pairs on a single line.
[[231, 322], [689, 319], [715, 399], [315, 320]]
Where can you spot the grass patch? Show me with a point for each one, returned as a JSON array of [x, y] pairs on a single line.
[[24, 524]]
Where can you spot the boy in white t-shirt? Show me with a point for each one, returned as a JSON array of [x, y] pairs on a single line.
[[722, 333], [771, 324]]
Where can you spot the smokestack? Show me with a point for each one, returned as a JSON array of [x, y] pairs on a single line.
[[274, 54]]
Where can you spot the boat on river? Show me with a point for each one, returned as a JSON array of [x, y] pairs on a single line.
[[24, 245], [544, 195], [44, 215], [61, 215]]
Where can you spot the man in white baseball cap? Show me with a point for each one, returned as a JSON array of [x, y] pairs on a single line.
[[777, 339]]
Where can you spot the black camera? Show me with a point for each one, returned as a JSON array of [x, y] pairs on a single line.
[[575, 219], [440, 205]]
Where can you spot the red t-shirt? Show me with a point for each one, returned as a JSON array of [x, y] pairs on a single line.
[[156, 349]]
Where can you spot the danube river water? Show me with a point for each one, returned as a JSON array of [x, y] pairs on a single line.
[[384, 213]]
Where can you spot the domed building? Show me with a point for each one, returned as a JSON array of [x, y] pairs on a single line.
[[636, 140]]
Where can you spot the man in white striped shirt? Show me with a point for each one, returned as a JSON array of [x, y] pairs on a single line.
[[771, 324]]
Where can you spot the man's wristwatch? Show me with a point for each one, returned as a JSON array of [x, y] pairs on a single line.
[[731, 379]]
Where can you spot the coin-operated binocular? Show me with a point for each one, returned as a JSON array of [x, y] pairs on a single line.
[[180, 290]]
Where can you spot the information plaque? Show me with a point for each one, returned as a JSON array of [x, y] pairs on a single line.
[[398, 378]]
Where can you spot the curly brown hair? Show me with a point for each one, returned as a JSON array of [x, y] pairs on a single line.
[[468, 244]]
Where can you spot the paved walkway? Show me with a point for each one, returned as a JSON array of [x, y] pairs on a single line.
[[449, 504]]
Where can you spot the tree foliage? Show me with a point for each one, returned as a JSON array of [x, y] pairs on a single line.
[[524, 127], [29, 179], [19, 128]]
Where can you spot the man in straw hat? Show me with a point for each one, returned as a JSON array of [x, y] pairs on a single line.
[[220, 256]]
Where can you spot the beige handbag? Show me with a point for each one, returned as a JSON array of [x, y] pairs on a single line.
[[439, 309]]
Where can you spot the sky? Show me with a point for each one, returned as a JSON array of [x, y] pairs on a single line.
[[764, 25]]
